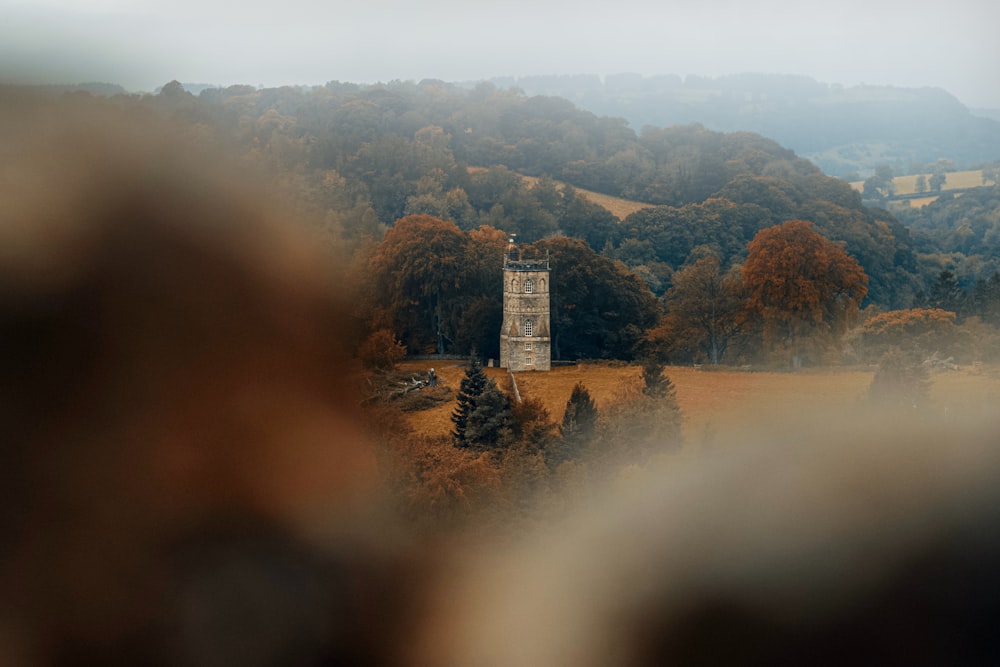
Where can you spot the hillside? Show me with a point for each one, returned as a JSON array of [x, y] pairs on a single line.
[[844, 130], [358, 158]]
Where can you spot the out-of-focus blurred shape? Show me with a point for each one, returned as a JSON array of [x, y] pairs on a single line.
[[182, 463]]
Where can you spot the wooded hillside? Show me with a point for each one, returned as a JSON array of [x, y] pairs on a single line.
[[357, 159], [843, 129]]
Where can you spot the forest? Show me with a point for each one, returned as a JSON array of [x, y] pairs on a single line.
[[421, 184], [452, 161]]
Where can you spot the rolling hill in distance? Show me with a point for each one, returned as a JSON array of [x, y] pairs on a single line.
[[846, 131], [362, 156]]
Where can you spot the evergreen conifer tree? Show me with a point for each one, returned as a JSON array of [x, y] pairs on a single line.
[[665, 412], [947, 294], [490, 424], [654, 383], [580, 416], [578, 425], [470, 389]]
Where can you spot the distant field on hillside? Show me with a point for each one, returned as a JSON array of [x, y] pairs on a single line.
[[907, 185], [620, 208], [721, 404]]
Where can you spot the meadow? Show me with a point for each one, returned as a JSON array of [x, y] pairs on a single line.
[[956, 180], [618, 207], [907, 185], [718, 405]]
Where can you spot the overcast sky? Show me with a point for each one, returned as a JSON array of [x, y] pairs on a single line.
[[142, 44]]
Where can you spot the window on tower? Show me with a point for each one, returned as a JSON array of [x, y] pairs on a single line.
[[529, 286], [529, 327], [527, 346]]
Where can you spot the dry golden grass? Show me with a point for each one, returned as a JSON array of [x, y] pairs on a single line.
[[720, 404], [714, 403], [921, 202], [907, 185], [618, 207]]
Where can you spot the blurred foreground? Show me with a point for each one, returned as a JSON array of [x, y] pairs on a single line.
[[188, 479]]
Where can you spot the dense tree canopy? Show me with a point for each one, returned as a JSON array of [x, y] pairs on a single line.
[[356, 158], [439, 290], [427, 275], [599, 308], [702, 308], [800, 283], [672, 233], [964, 229]]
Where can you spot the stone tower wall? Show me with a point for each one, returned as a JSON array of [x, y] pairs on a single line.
[[520, 351]]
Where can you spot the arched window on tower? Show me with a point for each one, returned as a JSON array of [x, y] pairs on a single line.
[[529, 286], [529, 327]]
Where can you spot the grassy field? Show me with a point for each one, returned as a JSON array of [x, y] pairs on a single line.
[[907, 185], [620, 208], [720, 404]]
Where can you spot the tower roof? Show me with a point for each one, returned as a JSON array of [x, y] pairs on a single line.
[[513, 261]]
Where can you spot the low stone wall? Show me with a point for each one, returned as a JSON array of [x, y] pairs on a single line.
[[435, 357]]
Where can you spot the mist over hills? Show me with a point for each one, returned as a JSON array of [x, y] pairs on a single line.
[[846, 131]]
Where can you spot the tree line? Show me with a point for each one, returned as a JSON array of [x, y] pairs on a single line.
[[358, 159], [361, 157], [796, 299], [437, 289]]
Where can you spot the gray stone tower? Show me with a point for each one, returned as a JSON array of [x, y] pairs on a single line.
[[525, 341]]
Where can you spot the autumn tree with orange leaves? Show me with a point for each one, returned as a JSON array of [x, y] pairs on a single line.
[[804, 288]]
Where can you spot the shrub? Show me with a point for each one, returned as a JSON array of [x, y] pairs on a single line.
[[916, 331], [381, 351]]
